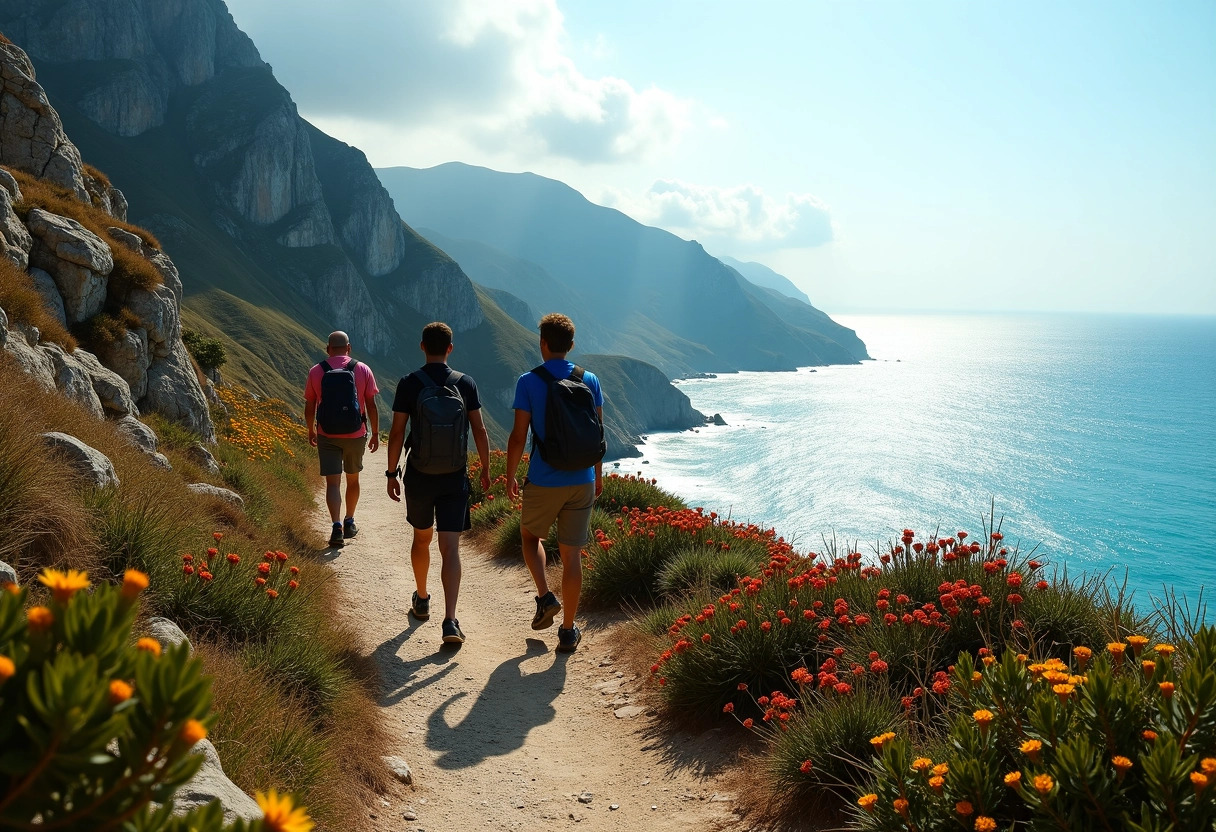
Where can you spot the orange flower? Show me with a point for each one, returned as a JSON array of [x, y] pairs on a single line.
[[296, 584], [1032, 749], [936, 783], [64, 585], [989, 661], [1208, 765], [1137, 643], [120, 691], [148, 645], [1148, 668], [272, 594], [1199, 781], [881, 740], [1043, 784], [900, 805], [922, 764], [218, 536], [941, 769], [1165, 649], [1149, 735], [867, 801], [1117, 648], [7, 669], [964, 808], [983, 718], [279, 814], [985, 824], [1083, 655], [806, 767], [1014, 779], [1122, 765], [1063, 691], [192, 732], [133, 583], [1167, 689], [40, 619]]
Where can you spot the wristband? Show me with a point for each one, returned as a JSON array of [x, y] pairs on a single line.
[[393, 474]]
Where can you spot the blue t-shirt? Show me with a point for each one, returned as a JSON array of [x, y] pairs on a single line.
[[530, 393]]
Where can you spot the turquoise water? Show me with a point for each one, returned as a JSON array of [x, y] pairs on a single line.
[[1095, 435]]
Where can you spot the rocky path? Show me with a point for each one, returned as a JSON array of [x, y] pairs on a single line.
[[503, 732]]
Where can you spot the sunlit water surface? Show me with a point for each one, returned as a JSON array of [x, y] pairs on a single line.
[[1096, 437]]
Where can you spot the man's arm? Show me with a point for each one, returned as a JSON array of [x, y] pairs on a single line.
[[396, 439], [515, 449], [599, 466], [481, 438], [310, 419], [373, 425]]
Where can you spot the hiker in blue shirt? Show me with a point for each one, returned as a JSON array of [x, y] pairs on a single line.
[[563, 406]]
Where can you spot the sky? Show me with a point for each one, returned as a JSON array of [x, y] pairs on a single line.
[[885, 156]]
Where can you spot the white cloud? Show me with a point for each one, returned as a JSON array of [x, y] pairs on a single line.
[[742, 215], [495, 74]]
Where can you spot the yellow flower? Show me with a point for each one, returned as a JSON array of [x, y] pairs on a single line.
[[1032, 749], [1137, 643], [193, 731], [1122, 765], [133, 583], [1043, 784], [279, 814], [1063, 691], [922, 764], [64, 585], [881, 740], [1022, 657], [983, 718], [149, 645], [984, 824], [867, 801], [1083, 655], [7, 669], [1013, 779], [936, 783], [941, 769], [40, 619], [976, 676], [1165, 649], [989, 661], [1117, 649], [120, 691]]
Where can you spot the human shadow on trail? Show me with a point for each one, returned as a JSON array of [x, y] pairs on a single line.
[[400, 679], [507, 709]]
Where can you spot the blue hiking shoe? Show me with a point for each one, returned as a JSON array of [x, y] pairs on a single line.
[[546, 608], [567, 640], [349, 529]]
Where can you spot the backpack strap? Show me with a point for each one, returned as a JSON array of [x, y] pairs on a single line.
[[325, 368], [544, 373], [351, 365], [454, 378], [577, 373], [425, 378]]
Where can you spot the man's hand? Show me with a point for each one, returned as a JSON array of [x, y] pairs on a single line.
[[485, 481], [599, 484], [513, 488], [312, 437], [373, 442], [394, 490]]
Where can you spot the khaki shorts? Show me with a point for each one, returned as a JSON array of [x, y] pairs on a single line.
[[340, 455], [569, 505]]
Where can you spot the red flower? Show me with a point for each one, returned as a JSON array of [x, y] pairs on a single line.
[[1014, 580], [705, 639], [766, 626], [260, 581], [806, 767], [187, 558], [749, 722], [878, 666], [728, 708], [293, 584], [1041, 585], [272, 594], [206, 576], [264, 568], [1014, 598], [212, 552], [280, 556], [188, 569]]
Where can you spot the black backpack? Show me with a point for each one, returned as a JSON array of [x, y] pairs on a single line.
[[439, 438], [339, 410], [574, 434]]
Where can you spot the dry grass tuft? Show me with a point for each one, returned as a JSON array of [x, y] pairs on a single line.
[[94, 173], [3, 39], [23, 303]]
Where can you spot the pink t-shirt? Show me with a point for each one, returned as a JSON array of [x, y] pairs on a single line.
[[365, 384]]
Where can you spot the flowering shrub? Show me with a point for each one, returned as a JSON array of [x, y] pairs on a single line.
[[262, 428], [1123, 740], [489, 508], [95, 728]]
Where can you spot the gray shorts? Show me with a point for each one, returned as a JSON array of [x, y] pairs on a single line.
[[340, 455], [569, 505]]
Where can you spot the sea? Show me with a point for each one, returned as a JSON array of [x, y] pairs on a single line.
[[1090, 439]]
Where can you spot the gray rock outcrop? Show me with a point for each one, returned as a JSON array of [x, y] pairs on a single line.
[[94, 467], [216, 493], [51, 299], [167, 633], [8, 575], [15, 240], [212, 784], [77, 259], [400, 769], [137, 433], [203, 458], [174, 391]]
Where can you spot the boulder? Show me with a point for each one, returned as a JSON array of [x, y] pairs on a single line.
[[75, 257], [73, 380], [158, 311], [15, 240], [203, 458], [167, 633], [8, 575], [129, 357], [33, 362], [126, 238], [112, 390], [215, 492], [91, 464], [137, 433], [400, 769], [160, 461], [174, 392], [210, 783], [51, 299]]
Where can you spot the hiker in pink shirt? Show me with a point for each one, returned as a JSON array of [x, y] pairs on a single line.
[[340, 411]]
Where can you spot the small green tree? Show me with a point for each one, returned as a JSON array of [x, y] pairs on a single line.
[[94, 729], [208, 352]]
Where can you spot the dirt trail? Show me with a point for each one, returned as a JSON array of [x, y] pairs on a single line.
[[503, 732]]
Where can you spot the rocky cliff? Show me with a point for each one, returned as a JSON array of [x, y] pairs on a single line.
[[641, 400], [69, 237]]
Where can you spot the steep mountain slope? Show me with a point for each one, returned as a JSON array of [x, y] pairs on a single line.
[[281, 232], [692, 312], [762, 275]]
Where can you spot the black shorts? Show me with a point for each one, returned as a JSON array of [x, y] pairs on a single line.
[[439, 500]]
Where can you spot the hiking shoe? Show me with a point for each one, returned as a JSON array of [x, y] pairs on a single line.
[[335, 537], [420, 607], [546, 609], [567, 640], [452, 634], [349, 529]]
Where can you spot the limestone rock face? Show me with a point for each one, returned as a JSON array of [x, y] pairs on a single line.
[[8, 575], [442, 292], [216, 493], [76, 258], [33, 362], [91, 464], [31, 134], [45, 284], [111, 388], [167, 633], [173, 390], [137, 433], [130, 357], [15, 240], [73, 380], [212, 784]]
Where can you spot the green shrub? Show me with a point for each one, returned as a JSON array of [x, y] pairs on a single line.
[[1127, 742], [626, 491], [702, 568], [208, 352], [490, 513], [95, 728]]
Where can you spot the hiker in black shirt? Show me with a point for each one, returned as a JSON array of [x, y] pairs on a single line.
[[443, 405]]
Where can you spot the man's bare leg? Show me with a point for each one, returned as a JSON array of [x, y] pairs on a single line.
[[333, 496], [449, 573], [420, 558], [534, 557], [572, 582], [352, 494]]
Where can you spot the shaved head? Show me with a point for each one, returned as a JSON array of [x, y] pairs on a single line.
[[339, 340]]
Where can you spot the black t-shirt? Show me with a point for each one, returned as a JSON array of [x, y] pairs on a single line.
[[409, 387]]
